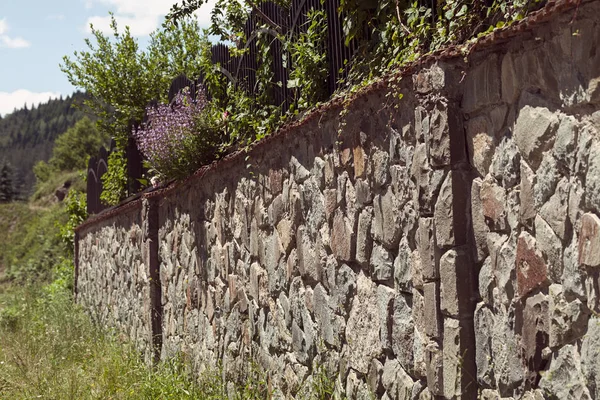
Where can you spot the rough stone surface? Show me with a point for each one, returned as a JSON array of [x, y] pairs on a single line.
[[589, 240], [341, 250]]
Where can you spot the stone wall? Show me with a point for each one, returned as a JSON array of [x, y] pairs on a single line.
[[441, 245]]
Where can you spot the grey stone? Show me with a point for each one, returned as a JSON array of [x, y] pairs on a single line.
[[374, 376], [534, 131], [428, 80], [573, 277], [592, 178], [345, 288], [386, 224], [483, 322], [324, 317], [456, 281], [363, 192], [428, 249], [566, 141], [428, 181], [458, 355], [381, 264], [381, 168], [589, 240], [440, 143], [486, 281], [564, 379], [363, 327], [555, 211], [508, 367], [534, 333], [363, 237], [403, 333], [528, 210], [482, 85], [506, 163], [403, 267], [568, 320], [480, 228], [298, 170], [510, 79], [397, 383], [551, 247], [433, 321], [590, 356], [385, 297], [435, 367], [546, 180], [308, 263], [450, 229]]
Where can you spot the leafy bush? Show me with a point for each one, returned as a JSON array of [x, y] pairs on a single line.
[[178, 139], [114, 180]]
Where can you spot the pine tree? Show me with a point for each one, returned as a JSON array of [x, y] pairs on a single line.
[[7, 192]]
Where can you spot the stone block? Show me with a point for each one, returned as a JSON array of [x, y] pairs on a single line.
[[564, 379], [482, 85], [402, 339], [589, 240], [481, 143], [435, 369], [510, 80], [404, 265], [428, 80], [381, 168], [428, 249], [342, 237], [364, 242], [459, 360], [534, 133], [590, 356], [568, 320], [551, 247], [363, 327], [451, 207], [381, 263], [385, 302], [532, 270], [386, 227], [457, 277], [493, 204], [592, 178], [431, 308], [555, 211], [527, 210], [483, 323], [308, 262], [534, 333]]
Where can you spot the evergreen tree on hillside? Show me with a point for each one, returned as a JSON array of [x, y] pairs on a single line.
[[7, 192]]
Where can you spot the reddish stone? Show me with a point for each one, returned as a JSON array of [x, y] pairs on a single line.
[[359, 162], [492, 203], [532, 270], [589, 240]]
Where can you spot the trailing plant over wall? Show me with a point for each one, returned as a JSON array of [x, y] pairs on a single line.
[[179, 138]]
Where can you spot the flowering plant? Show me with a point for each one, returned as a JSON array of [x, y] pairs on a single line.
[[177, 139]]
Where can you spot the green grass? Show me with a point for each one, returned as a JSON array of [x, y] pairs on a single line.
[[49, 349], [44, 191]]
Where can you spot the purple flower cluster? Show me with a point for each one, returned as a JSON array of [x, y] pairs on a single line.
[[169, 137]]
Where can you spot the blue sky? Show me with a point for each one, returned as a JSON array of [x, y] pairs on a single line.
[[36, 34]]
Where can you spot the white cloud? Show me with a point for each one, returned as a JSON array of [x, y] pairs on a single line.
[[10, 42], [16, 99], [142, 16]]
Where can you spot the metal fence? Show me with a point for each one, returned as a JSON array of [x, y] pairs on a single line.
[[269, 21]]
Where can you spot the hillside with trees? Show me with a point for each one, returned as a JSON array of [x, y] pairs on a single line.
[[27, 136]]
